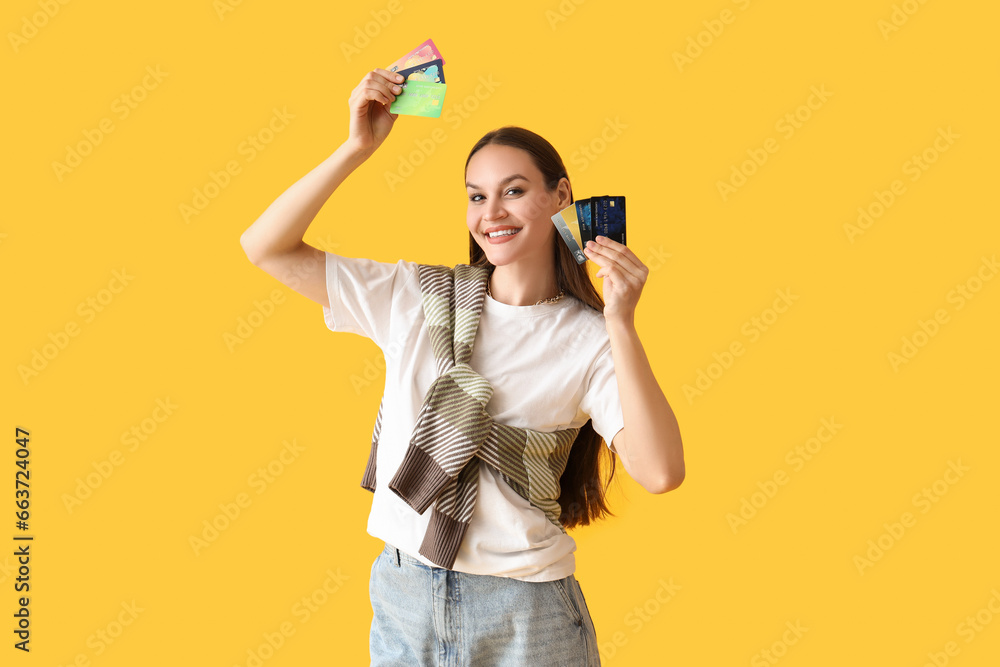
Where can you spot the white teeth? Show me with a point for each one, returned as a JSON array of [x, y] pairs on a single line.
[[504, 232]]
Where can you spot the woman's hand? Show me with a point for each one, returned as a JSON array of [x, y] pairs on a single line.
[[624, 275], [370, 117]]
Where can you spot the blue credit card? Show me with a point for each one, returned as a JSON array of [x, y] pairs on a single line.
[[608, 217], [432, 72], [583, 214]]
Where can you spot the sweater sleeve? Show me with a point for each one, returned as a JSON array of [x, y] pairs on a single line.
[[363, 293], [600, 398]]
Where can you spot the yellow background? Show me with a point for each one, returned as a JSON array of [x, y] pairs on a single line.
[[565, 71]]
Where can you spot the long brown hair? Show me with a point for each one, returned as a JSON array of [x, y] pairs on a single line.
[[582, 497]]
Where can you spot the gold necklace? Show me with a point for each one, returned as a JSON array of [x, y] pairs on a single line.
[[551, 299]]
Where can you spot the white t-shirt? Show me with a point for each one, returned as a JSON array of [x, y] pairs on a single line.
[[551, 368]]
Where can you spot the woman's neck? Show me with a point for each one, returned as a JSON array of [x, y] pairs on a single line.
[[515, 285]]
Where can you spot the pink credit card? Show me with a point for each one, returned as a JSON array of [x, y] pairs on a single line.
[[424, 53]]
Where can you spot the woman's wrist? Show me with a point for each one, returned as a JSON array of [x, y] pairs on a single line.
[[353, 151]]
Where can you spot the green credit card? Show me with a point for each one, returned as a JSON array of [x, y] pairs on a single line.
[[420, 98]]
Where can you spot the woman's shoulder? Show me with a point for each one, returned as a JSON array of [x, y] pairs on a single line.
[[581, 329], [583, 310]]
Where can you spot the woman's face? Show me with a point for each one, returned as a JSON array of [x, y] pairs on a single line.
[[507, 191]]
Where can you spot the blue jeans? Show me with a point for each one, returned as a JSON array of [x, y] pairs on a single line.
[[430, 616]]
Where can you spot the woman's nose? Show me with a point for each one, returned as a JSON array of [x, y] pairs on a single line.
[[494, 211]]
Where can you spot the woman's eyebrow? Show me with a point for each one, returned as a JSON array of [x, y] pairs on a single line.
[[502, 183]]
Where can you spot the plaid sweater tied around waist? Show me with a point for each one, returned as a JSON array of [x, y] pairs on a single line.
[[454, 433]]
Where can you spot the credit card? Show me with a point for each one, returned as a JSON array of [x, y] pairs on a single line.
[[432, 72], [585, 219], [609, 218], [420, 98], [567, 223], [423, 86], [424, 53], [583, 214]]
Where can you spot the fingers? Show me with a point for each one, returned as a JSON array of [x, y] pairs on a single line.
[[387, 75], [604, 247], [617, 254], [381, 86]]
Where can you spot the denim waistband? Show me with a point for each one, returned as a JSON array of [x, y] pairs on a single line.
[[403, 558]]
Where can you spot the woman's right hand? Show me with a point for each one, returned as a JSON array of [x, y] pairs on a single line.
[[370, 117]]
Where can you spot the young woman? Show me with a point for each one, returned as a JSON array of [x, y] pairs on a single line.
[[559, 361]]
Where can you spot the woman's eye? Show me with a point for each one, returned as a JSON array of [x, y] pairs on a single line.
[[516, 191]]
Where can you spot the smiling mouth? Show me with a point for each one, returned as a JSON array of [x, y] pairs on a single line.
[[503, 232]]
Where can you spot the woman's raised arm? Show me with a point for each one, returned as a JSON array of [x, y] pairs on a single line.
[[274, 241]]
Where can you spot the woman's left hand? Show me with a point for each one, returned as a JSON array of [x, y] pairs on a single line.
[[623, 273]]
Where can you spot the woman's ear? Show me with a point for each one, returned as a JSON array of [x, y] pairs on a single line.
[[564, 193]]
